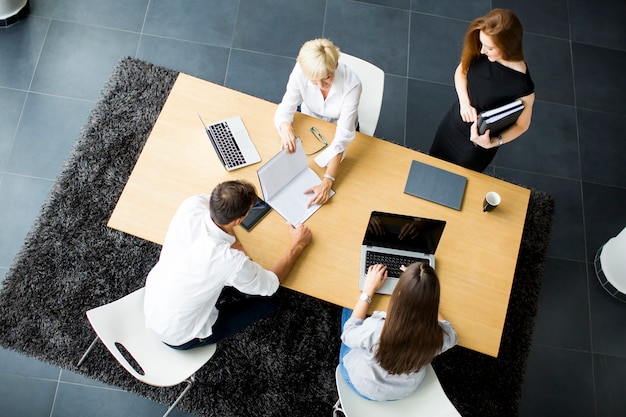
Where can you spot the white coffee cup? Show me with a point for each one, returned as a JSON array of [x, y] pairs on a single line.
[[492, 199]]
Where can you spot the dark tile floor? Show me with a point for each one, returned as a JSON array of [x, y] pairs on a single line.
[[54, 63]]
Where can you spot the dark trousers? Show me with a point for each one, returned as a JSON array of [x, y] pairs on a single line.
[[236, 312]]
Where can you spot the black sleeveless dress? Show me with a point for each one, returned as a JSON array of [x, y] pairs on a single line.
[[489, 85]]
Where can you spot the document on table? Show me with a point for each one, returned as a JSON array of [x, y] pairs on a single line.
[[284, 178]]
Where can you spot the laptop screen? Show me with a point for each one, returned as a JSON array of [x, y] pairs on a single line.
[[403, 232]]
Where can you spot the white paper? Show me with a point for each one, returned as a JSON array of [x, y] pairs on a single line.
[[284, 179]]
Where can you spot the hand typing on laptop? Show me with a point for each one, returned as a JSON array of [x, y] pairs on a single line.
[[376, 276]]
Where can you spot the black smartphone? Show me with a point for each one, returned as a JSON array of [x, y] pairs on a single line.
[[258, 211]]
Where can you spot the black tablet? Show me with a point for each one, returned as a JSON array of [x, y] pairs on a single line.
[[259, 210]]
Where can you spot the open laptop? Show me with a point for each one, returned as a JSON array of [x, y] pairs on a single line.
[[394, 240], [232, 143]]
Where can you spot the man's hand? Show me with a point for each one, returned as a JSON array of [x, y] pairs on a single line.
[[300, 235]]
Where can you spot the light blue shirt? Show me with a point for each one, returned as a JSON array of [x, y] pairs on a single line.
[[366, 374]]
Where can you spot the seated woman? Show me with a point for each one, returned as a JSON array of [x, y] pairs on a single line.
[[382, 357], [329, 90]]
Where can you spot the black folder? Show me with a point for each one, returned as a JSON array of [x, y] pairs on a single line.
[[436, 185], [499, 118]]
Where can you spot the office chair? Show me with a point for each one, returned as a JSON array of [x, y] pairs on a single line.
[[373, 83], [428, 400], [122, 323]]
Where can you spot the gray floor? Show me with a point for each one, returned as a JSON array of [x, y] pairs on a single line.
[[54, 63]]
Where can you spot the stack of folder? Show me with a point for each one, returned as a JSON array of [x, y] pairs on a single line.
[[499, 118]]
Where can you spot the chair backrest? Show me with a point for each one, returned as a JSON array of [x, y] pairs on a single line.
[[428, 400], [373, 82], [122, 323]]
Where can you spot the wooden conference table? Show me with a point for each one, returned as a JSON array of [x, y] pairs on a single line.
[[476, 257]]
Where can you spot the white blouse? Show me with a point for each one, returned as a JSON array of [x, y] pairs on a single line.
[[340, 106]]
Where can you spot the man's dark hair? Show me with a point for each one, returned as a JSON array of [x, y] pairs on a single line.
[[231, 200]]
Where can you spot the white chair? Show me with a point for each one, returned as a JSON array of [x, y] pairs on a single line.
[[122, 323], [373, 82], [610, 265], [428, 400]]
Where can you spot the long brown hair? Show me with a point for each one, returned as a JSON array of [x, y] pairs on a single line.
[[505, 30], [411, 336]]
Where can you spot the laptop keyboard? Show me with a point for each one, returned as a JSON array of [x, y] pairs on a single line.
[[226, 144], [392, 262]]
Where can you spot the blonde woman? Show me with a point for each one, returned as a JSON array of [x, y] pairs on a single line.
[[326, 89]]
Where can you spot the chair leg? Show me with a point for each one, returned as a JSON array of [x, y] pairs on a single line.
[[80, 362], [337, 409], [189, 382]]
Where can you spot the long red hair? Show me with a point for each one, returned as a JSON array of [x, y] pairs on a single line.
[[505, 30]]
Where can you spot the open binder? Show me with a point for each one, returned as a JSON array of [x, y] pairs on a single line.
[[499, 118], [283, 179]]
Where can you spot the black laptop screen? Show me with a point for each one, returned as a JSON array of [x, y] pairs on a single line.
[[403, 232]]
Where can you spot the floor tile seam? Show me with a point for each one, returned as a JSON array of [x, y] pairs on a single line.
[[619, 187], [543, 174], [34, 177], [56, 392], [172, 38], [589, 309], [603, 111], [43, 93], [563, 348], [561, 258], [609, 355], [95, 26], [85, 385], [145, 17], [556, 103], [379, 5], [405, 79], [456, 19], [238, 49], [609, 48], [9, 153], [593, 380], [32, 377], [410, 78]]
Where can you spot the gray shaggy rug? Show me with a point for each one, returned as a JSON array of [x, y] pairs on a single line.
[[284, 365]]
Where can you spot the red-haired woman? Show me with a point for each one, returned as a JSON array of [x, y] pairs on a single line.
[[492, 73], [382, 356]]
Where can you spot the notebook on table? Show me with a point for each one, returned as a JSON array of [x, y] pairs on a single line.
[[436, 185], [394, 240], [284, 178], [232, 143]]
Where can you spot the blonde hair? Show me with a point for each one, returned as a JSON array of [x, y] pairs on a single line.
[[318, 58]]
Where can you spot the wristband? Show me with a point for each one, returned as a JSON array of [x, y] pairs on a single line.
[[330, 177], [365, 297]]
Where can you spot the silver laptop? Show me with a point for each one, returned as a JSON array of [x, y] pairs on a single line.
[[394, 240], [232, 143]]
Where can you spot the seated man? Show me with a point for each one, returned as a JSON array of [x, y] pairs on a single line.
[[200, 258]]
